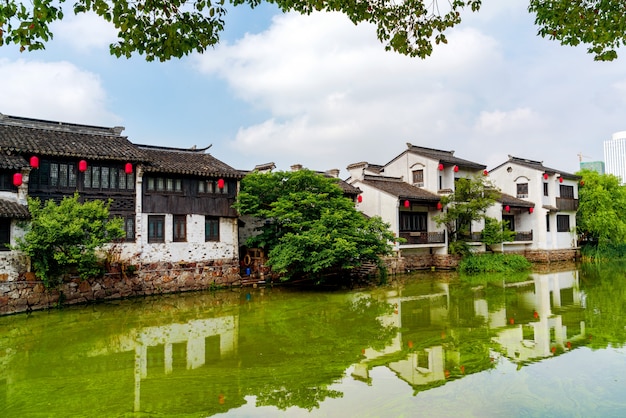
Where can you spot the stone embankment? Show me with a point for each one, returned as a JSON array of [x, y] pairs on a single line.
[[28, 293]]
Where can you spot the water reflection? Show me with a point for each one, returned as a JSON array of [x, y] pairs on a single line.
[[248, 350]]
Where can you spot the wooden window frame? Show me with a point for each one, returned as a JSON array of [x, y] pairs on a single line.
[[211, 229], [154, 222], [179, 228]]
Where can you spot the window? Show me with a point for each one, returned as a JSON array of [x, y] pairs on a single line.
[[5, 234], [510, 222], [108, 178], [545, 189], [413, 222], [562, 223], [522, 190], [418, 178], [180, 228], [211, 186], [548, 222], [6, 182], [161, 184], [211, 229], [156, 228], [129, 227], [567, 192]]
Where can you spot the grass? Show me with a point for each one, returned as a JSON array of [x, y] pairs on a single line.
[[494, 263]]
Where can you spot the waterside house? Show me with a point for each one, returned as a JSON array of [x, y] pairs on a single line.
[[176, 203]]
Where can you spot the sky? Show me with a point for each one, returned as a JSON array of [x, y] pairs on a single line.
[[322, 92]]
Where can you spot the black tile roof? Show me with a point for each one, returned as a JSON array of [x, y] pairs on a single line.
[[12, 162], [444, 157], [9, 209], [538, 165], [507, 199], [47, 138], [186, 161], [399, 188]]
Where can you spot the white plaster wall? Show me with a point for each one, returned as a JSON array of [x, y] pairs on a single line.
[[194, 249]]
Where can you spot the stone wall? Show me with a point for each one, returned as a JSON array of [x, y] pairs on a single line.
[[29, 294], [414, 261]]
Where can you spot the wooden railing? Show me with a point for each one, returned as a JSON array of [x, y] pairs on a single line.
[[423, 237], [566, 204], [523, 236]]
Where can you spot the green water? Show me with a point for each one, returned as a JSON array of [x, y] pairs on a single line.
[[550, 345]]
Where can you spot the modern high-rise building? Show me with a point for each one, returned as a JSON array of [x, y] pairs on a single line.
[[597, 166], [615, 155]]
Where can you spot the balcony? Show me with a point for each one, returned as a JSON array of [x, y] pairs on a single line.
[[523, 236], [566, 204], [423, 237]]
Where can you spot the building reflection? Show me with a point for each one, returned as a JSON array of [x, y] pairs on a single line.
[[169, 347], [448, 331]]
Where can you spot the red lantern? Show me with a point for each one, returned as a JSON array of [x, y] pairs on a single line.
[[440, 167], [531, 210], [82, 165], [34, 161], [220, 183], [560, 179], [128, 168], [359, 198], [456, 168], [582, 182], [485, 173], [512, 321], [545, 176], [507, 208], [407, 204], [17, 179], [439, 206]]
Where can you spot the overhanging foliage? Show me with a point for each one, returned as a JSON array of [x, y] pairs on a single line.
[[165, 29]]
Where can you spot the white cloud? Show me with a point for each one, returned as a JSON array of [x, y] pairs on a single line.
[[85, 32], [53, 90], [335, 94]]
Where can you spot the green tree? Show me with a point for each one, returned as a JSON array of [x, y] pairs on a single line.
[[163, 29], [468, 203], [496, 232], [310, 228], [64, 237], [601, 216]]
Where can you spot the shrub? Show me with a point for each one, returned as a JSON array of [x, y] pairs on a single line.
[[496, 263], [63, 238]]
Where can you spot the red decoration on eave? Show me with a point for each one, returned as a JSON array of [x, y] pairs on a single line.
[[560, 179], [82, 165], [531, 210], [485, 173], [220, 183], [545, 176], [128, 168], [407, 204], [439, 206], [440, 167], [456, 168], [359, 198], [507, 208], [17, 179], [34, 161]]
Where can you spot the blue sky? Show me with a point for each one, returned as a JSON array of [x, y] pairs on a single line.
[[319, 91]]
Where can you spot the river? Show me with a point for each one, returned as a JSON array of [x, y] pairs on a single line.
[[426, 344]]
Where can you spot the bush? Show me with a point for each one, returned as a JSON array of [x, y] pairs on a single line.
[[63, 238], [494, 263]]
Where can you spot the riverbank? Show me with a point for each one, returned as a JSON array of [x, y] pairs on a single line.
[[29, 294]]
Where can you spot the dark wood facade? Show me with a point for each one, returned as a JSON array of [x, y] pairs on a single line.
[[188, 198]]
